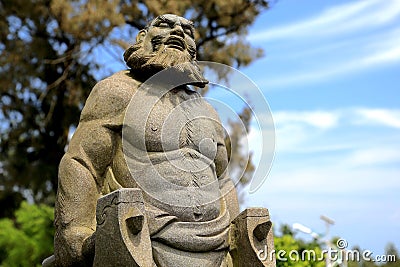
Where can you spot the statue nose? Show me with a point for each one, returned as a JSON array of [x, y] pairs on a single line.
[[178, 30]]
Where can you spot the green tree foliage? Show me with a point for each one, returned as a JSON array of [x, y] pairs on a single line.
[[28, 238], [296, 252], [48, 63], [392, 256]]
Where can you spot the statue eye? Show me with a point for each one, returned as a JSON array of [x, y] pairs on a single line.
[[163, 25], [188, 31]]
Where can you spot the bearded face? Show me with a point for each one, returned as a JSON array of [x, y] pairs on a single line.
[[167, 42]]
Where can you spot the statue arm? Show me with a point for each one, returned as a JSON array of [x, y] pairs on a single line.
[[227, 186], [81, 173]]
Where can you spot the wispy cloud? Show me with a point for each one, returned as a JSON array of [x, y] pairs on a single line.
[[319, 119], [336, 20], [374, 155], [325, 119], [356, 129], [357, 55], [339, 41], [379, 116]]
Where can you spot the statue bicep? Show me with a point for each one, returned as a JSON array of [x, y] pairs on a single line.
[[93, 144]]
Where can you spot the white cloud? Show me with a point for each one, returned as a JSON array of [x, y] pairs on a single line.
[[339, 19], [318, 119], [357, 36], [392, 54], [325, 119], [372, 52], [324, 131], [374, 156], [384, 117], [293, 127], [355, 133]]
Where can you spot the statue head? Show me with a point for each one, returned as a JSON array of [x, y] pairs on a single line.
[[167, 41]]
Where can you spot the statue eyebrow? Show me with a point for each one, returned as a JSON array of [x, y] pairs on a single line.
[[188, 24], [164, 19]]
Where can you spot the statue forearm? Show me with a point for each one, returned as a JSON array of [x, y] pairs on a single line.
[[74, 213], [228, 191], [227, 187]]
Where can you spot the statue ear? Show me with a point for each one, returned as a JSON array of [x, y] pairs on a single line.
[[140, 36]]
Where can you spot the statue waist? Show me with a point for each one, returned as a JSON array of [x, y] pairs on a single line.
[[202, 236]]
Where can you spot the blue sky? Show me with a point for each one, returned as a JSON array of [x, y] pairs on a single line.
[[331, 77]]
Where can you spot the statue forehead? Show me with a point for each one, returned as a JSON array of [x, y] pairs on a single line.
[[171, 18]]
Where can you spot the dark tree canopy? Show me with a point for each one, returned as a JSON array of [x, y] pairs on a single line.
[[47, 68]]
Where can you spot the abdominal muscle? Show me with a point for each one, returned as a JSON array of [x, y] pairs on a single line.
[[180, 182]]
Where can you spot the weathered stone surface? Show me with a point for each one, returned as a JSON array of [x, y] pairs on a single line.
[[251, 233], [122, 234]]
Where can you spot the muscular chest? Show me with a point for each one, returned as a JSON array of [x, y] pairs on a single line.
[[176, 120]]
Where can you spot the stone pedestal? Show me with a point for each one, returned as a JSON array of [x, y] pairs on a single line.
[[122, 234], [251, 237]]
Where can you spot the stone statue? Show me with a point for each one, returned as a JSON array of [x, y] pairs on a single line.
[[201, 225]]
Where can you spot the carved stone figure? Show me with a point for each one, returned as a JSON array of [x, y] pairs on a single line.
[[188, 217]]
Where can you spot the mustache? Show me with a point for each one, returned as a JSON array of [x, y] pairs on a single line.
[[159, 40]]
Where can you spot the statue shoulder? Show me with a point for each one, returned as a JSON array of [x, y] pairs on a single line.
[[110, 97]]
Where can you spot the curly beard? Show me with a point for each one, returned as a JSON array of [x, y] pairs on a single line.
[[183, 62]]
